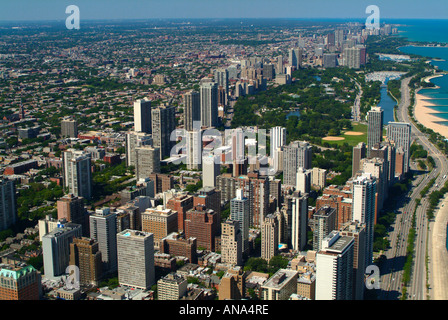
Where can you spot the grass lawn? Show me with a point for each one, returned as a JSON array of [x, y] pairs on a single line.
[[352, 140]]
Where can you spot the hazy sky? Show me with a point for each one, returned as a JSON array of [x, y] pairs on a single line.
[[141, 9]]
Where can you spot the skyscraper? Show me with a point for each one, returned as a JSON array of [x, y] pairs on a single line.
[[56, 249], [221, 78], [325, 221], [209, 103], [299, 221], [18, 282], [160, 222], [334, 268], [147, 161], [163, 124], [239, 211], [69, 128], [135, 259], [358, 232], [134, 140], [103, 229], [330, 60], [296, 155], [8, 204], [303, 183], [400, 134], [364, 190], [359, 152], [278, 140], [142, 116], [295, 57], [268, 71], [280, 69], [231, 243], [269, 237], [375, 127], [77, 173], [85, 254], [210, 170], [192, 109], [202, 223], [193, 147], [71, 208], [354, 57]]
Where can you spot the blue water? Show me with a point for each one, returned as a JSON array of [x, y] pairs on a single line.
[[387, 104], [422, 30], [431, 31]]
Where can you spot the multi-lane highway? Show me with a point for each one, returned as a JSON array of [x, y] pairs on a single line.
[[392, 270]]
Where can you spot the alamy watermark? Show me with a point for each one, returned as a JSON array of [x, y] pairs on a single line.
[[73, 20], [373, 280], [72, 280], [373, 21]]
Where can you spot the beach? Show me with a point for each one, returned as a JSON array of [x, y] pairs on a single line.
[[426, 116]]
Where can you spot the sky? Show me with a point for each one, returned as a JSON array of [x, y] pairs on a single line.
[[26, 10]]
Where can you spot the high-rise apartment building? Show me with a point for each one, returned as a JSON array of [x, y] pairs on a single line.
[[202, 223], [135, 259], [334, 268], [134, 140], [295, 57], [359, 153], [85, 254], [147, 161], [330, 60], [56, 249], [239, 211], [280, 286], [357, 231], [77, 173], [193, 145], [163, 126], [354, 57], [278, 140], [299, 221], [160, 222], [319, 178], [232, 285], [103, 229], [268, 71], [231, 243], [296, 155], [142, 116], [8, 203], [71, 208], [19, 282], [69, 128], [364, 206], [325, 221], [303, 181], [192, 109], [181, 204], [171, 287], [269, 237], [221, 78], [211, 167], [400, 134], [175, 245], [209, 103], [375, 127]]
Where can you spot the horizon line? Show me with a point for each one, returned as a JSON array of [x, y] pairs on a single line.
[[222, 18]]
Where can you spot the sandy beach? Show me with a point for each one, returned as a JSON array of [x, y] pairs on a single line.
[[426, 116]]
